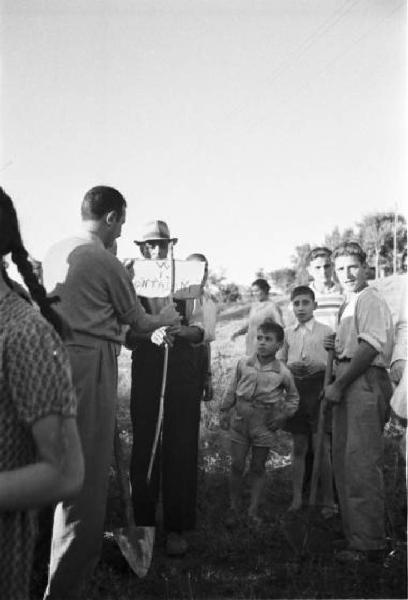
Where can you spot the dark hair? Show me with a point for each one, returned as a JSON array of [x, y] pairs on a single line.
[[197, 256], [262, 284], [271, 326], [11, 242], [316, 252], [350, 249], [302, 290], [100, 200]]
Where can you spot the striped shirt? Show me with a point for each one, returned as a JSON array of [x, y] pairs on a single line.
[[328, 304]]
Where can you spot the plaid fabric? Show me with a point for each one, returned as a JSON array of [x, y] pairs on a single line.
[[35, 381]]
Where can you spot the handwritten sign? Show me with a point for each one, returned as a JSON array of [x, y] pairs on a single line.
[[153, 278]]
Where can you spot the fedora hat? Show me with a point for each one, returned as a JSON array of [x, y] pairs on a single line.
[[155, 231]]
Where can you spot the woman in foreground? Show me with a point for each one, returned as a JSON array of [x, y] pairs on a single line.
[[40, 453]]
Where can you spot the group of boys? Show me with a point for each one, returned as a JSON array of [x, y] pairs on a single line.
[[265, 394]]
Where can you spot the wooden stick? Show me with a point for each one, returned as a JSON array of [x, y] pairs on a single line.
[[159, 422], [320, 431]]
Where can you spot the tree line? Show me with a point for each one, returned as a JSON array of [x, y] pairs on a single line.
[[377, 233]]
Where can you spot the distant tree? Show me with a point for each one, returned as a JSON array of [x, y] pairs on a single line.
[[283, 278], [335, 238], [216, 281], [260, 274], [376, 233], [230, 292], [299, 263]]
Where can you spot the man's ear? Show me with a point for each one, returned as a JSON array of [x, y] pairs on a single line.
[[111, 217], [314, 305]]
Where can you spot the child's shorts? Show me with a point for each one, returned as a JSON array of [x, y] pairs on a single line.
[[306, 418], [248, 423]]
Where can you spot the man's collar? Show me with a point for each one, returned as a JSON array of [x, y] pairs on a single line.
[[91, 237], [308, 325]]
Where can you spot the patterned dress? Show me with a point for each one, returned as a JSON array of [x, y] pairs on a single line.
[[35, 381]]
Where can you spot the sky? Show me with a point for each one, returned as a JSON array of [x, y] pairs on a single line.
[[250, 126]]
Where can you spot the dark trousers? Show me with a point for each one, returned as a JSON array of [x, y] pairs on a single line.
[[175, 467]]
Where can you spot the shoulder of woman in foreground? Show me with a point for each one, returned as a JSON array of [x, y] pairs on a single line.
[[26, 321]]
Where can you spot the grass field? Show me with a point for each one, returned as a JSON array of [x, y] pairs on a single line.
[[247, 563]]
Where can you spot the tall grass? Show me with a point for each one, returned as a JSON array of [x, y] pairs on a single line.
[[244, 562]]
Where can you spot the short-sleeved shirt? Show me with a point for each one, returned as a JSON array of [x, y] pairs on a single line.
[[261, 385], [97, 296], [365, 316], [35, 382], [304, 344]]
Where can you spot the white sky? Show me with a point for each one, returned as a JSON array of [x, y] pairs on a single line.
[[251, 126]]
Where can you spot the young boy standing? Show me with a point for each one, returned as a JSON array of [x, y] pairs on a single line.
[[306, 357], [262, 395], [360, 395]]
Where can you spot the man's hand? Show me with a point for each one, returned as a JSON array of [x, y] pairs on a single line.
[[333, 393], [129, 264], [169, 315], [397, 370], [298, 369], [328, 341], [225, 418], [164, 335]]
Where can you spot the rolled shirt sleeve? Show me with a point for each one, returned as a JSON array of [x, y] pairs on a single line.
[[374, 323]]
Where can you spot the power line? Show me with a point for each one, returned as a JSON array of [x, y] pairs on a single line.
[[337, 16], [351, 47], [331, 21]]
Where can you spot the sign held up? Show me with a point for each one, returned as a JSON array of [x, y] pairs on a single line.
[[153, 278]]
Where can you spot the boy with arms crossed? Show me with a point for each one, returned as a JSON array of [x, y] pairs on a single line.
[[360, 395], [263, 395], [306, 357]]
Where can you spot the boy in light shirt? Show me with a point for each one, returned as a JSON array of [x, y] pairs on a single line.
[[259, 399], [361, 396], [306, 357]]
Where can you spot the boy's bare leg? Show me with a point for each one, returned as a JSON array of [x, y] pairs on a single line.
[[300, 444], [326, 473], [257, 472], [238, 456]]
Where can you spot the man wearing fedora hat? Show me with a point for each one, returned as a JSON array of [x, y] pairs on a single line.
[[175, 466]]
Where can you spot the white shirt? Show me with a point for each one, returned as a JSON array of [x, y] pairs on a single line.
[[304, 344]]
